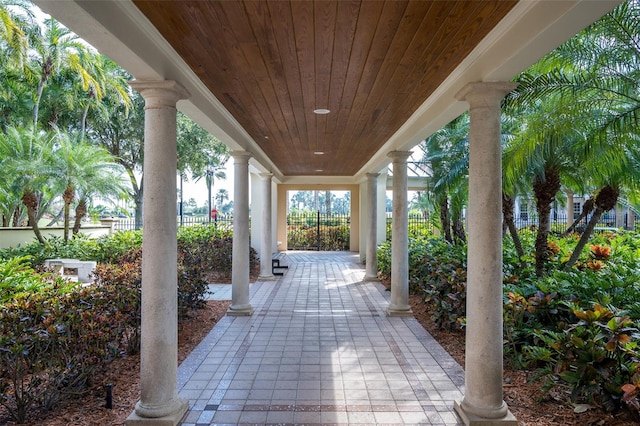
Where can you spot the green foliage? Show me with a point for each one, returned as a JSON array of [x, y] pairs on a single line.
[[332, 237], [108, 248], [437, 271], [595, 357], [18, 280], [55, 336], [563, 324], [53, 342]]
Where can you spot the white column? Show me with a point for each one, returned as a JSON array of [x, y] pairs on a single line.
[[483, 401], [266, 241], [399, 306], [240, 268], [372, 227], [159, 346]]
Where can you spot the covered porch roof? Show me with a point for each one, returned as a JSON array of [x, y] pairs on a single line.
[[386, 70]]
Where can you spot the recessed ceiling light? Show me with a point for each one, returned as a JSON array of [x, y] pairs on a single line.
[[321, 111], [319, 170], [266, 137], [318, 152]]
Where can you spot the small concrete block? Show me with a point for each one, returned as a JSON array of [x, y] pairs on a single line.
[[473, 420]]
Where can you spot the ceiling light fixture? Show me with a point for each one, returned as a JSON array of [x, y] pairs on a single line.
[[318, 152], [319, 170], [321, 111]]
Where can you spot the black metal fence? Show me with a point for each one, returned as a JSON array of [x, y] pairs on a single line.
[[419, 225], [318, 231], [129, 224], [560, 222]]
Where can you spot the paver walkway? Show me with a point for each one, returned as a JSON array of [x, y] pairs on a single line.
[[320, 349]]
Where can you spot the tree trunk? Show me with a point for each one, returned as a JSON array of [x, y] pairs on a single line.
[[137, 199], [85, 112], [16, 216], [56, 218], [458, 230], [47, 68], [507, 212], [545, 189], [327, 202], [30, 200], [584, 239], [587, 208], [605, 200], [444, 220], [67, 197], [81, 211]]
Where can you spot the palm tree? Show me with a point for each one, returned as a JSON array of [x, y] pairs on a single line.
[[14, 43], [106, 182], [213, 171], [446, 158], [82, 169], [57, 49], [27, 153], [584, 95], [221, 196]]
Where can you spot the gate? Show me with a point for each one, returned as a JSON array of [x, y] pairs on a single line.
[[313, 230]]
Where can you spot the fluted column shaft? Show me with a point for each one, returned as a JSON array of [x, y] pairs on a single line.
[[240, 268], [159, 345], [399, 305]]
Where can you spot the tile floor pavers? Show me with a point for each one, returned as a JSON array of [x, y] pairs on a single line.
[[319, 349]]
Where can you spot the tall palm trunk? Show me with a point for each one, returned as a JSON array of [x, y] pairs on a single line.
[[81, 211], [444, 219], [507, 212], [545, 189], [606, 199], [85, 112], [16, 216], [30, 200], [458, 230], [47, 69], [67, 197], [587, 208]]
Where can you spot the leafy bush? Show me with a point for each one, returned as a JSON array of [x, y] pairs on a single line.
[[54, 341], [107, 248], [437, 271], [332, 238], [55, 335], [596, 358]]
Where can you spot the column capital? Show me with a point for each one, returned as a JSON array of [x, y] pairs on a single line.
[[372, 176], [160, 93], [241, 156], [399, 156], [265, 176], [481, 93]]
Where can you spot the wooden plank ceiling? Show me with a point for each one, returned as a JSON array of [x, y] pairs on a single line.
[[370, 63]]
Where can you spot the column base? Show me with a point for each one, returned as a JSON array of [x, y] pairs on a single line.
[[399, 311], [266, 278], [172, 419], [470, 419], [240, 311], [371, 278]]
